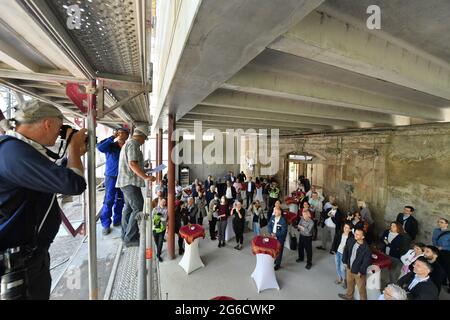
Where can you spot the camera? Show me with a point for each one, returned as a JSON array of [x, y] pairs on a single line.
[[63, 133], [14, 279]]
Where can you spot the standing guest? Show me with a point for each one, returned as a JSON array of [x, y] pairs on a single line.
[[230, 193], [357, 258], [332, 223], [316, 203], [159, 226], [223, 214], [338, 246], [319, 197], [277, 226], [259, 191], [230, 177], [178, 190], [305, 182], [159, 196], [411, 256], [358, 222], [210, 192], [192, 211], [394, 243], [130, 180], [274, 195], [327, 206], [257, 214], [441, 239], [181, 219], [212, 216], [418, 284], [431, 253], [305, 227], [393, 292], [365, 212], [409, 223], [241, 177], [208, 182], [238, 214], [194, 188], [250, 187], [200, 203], [113, 196]]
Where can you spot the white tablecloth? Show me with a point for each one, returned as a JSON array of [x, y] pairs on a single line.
[[229, 232], [191, 259], [264, 273], [373, 283]]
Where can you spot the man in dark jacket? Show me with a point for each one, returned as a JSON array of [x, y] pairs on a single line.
[[278, 228], [409, 223], [250, 191], [431, 253], [418, 283], [192, 211], [357, 258]]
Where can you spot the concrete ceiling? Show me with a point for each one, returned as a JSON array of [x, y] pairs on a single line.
[[328, 71]]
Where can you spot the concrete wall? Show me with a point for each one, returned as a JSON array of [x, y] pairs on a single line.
[[387, 169]]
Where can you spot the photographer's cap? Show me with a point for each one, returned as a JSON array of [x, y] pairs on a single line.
[[123, 129], [35, 110], [141, 131]]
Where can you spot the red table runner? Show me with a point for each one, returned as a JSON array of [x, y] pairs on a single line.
[[381, 260], [267, 245], [191, 232]]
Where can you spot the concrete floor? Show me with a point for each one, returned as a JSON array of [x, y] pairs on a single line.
[[227, 273]]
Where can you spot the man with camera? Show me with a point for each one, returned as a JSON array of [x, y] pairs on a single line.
[[113, 196], [29, 211]]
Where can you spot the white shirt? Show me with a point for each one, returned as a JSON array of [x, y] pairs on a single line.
[[342, 244], [228, 194], [275, 225], [249, 187]]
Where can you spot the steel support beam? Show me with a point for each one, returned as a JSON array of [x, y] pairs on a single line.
[[171, 189], [122, 102]]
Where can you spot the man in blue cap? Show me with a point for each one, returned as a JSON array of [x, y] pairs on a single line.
[[113, 196]]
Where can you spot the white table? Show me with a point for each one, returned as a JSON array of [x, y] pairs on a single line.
[[229, 232], [191, 259], [264, 273], [373, 283]]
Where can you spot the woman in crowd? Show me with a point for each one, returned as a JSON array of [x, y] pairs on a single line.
[[441, 240], [238, 224], [409, 257], [200, 202], [259, 191], [212, 216], [159, 226], [394, 243], [223, 213], [339, 242], [257, 214]]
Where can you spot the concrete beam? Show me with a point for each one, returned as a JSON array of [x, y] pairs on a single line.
[[340, 40], [248, 123], [222, 127], [219, 39], [296, 87], [267, 116], [261, 103]]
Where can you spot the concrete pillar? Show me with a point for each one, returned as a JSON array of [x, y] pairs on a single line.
[[171, 190]]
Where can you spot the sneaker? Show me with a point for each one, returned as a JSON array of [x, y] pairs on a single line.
[[237, 247], [160, 259], [299, 260], [338, 281], [240, 247], [118, 224], [344, 284], [320, 248], [220, 244], [332, 252], [308, 266], [106, 231], [344, 296]]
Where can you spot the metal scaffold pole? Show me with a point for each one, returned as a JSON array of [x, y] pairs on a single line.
[[91, 223], [149, 241]]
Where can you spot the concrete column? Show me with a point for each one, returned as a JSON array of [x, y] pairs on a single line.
[[171, 190]]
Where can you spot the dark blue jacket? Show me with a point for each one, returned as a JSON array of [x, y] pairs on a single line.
[[398, 246], [363, 257], [281, 228], [31, 177], [441, 241], [112, 151]]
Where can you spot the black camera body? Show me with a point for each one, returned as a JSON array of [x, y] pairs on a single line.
[[13, 272], [63, 133]]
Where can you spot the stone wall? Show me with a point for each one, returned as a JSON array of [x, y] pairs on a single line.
[[387, 168]]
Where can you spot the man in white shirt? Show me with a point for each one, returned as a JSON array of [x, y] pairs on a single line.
[[251, 186]]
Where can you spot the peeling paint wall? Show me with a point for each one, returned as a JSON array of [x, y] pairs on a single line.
[[388, 169]]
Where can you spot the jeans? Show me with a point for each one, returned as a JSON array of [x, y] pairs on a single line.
[[222, 227], [249, 199], [340, 268], [113, 197], [256, 228], [39, 278], [134, 203]]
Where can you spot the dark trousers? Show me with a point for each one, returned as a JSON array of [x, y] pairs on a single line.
[[222, 227], [134, 203], [113, 198], [159, 240], [444, 260], [238, 228], [270, 207], [249, 198], [280, 255], [305, 244], [212, 228], [39, 278], [180, 242]]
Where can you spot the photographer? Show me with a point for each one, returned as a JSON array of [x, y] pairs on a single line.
[[29, 182]]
